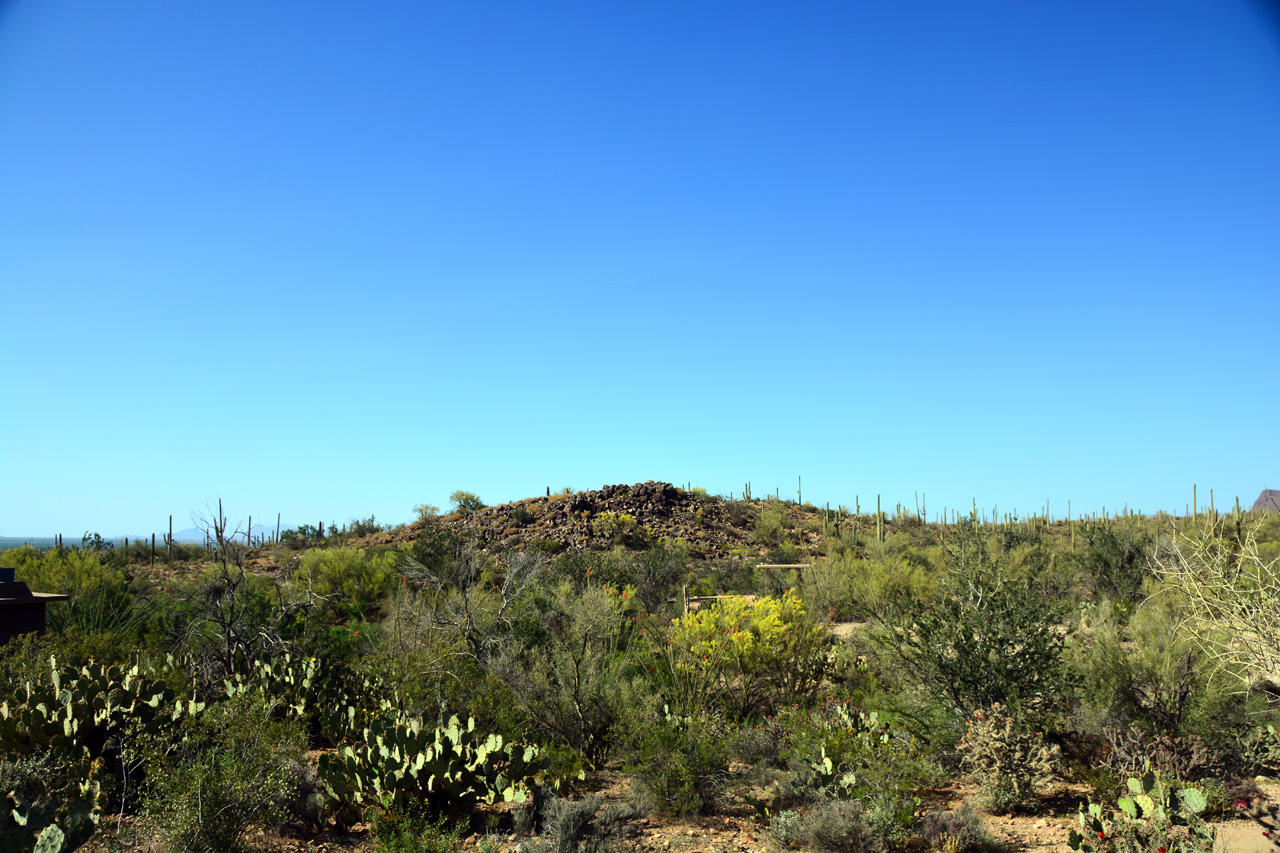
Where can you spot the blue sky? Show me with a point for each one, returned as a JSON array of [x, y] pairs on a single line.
[[332, 260]]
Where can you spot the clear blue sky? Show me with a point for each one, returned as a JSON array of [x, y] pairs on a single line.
[[338, 259]]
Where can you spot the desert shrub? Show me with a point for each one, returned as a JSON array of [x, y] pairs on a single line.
[[1116, 557], [1150, 672], [1011, 761], [656, 572], [364, 527], [426, 513], [739, 513], [585, 567], [761, 745], [841, 826], [622, 529], [566, 822], [680, 764], [773, 525], [740, 655], [829, 586], [581, 826], [785, 827], [569, 676], [956, 832], [413, 831], [436, 548], [350, 582], [465, 502], [217, 773], [1132, 750], [987, 638]]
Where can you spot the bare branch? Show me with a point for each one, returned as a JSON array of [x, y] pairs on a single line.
[[1233, 595]]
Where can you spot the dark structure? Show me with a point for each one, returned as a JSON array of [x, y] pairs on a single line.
[[21, 610]]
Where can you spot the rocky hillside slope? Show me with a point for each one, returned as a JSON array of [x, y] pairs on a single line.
[[612, 515], [1269, 500], [602, 519]]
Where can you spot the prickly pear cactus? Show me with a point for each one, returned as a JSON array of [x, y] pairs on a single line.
[[452, 768], [1158, 815], [68, 723], [333, 703], [77, 711], [59, 816]]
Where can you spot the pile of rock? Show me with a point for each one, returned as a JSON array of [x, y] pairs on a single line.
[[599, 520]]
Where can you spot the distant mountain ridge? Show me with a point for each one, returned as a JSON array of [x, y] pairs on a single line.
[[1268, 501]]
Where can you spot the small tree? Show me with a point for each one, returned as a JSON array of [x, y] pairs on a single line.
[[466, 501]]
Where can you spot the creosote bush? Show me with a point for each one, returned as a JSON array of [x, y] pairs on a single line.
[[989, 637], [680, 764], [218, 773]]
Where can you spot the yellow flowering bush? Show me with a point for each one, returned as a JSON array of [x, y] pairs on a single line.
[[748, 655]]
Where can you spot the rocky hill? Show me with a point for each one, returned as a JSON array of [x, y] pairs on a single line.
[[612, 515], [1269, 500], [601, 519]]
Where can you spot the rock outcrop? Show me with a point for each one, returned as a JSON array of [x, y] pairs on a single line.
[[612, 515], [1268, 501]]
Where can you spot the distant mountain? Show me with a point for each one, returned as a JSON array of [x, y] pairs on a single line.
[[1269, 500]]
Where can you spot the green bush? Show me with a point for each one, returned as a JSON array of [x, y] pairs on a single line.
[[957, 832], [988, 638], [656, 572], [841, 826], [569, 675], [1116, 557], [465, 502], [352, 583], [622, 529], [219, 772], [773, 526], [681, 765], [1152, 673], [413, 831], [853, 588], [745, 657]]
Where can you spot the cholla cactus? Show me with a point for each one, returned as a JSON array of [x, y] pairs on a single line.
[[1012, 761]]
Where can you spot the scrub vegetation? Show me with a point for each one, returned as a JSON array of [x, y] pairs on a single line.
[[823, 673]]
